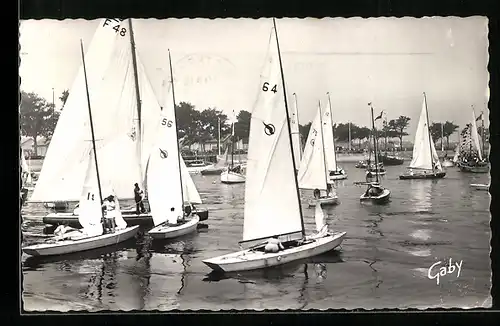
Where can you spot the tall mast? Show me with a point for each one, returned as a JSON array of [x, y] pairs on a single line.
[[177, 140], [323, 143], [289, 129], [374, 145], [218, 135], [92, 130], [429, 132], [137, 96], [349, 127], [333, 133], [298, 125], [442, 137], [482, 134], [232, 143]]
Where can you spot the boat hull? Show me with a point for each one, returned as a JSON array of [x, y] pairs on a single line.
[[383, 198], [229, 177], [128, 215], [168, 232], [420, 176], [334, 175], [375, 173], [325, 201], [212, 171], [474, 169], [391, 160], [70, 246], [197, 169], [256, 259], [479, 186], [448, 164]]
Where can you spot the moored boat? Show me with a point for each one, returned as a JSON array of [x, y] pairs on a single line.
[[425, 162]]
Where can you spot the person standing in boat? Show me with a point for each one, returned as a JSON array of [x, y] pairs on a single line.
[[316, 193], [110, 209], [139, 199], [273, 245]]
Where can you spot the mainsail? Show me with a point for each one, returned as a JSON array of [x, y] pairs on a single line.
[[475, 136], [112, 89], [312, 170], [424, 152], [90, 212], [272, 206], [331, 162]]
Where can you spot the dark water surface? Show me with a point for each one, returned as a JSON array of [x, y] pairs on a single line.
[[382, 263]]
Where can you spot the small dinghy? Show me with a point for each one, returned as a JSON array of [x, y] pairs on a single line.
[[425, 162], [231, 175], [372, 171], [313, 168], [165, 179], [272, 203], [375, 193]]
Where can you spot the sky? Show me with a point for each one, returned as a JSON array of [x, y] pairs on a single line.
[[217, 63]]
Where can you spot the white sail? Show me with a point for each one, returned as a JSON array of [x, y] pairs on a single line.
[[312, 174], [294, 126], [329, 142], [272, 206], [424, 152], [319, 217], [189, 191], [164, 175], [107, 190], [90, 212], [112, 89], [475, 136]]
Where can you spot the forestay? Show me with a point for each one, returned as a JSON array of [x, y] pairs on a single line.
[[475, 136], [329, 142], [164, 175], [424, 152], [113, 100], [90, 213], [312, 173], [271, 201]]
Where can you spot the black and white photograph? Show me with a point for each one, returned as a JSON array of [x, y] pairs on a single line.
[[334, 163]]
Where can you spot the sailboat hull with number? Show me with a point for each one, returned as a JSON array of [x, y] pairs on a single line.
[[257, 258], [78, 244], [230, 177]]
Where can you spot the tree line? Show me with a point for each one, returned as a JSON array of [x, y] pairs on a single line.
[[38, 118]]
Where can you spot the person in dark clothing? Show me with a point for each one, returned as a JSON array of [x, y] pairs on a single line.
[[139, 196]]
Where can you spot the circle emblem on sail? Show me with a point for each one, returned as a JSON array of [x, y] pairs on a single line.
[[163, 153], [312, 142], [269, 128]]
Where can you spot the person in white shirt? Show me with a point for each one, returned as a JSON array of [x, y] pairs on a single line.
[[110, 209], [273, 245]]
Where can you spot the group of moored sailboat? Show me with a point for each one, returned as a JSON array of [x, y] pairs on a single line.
[[147, 139], [144, 139]]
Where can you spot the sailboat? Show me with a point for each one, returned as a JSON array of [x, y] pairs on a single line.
[[313, 171], [26, 177], [375, 193], [164, 179], [272, 200], [335, 172], [234, 173], [92, 235], [124, 98], [457, 153], [425, 163], [471, 155]]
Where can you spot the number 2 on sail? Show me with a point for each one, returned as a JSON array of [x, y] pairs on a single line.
[[265, 87], [166, 122]]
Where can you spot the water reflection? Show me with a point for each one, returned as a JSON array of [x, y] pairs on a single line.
[[420, 195]]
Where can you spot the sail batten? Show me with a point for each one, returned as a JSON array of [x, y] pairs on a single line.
[[272, 205]]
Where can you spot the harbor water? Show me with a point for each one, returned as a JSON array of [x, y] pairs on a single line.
[[383, 262]]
